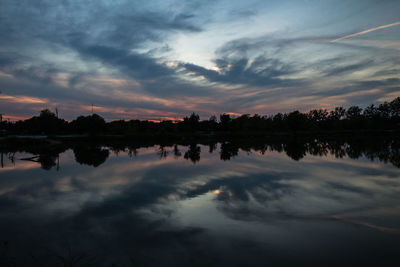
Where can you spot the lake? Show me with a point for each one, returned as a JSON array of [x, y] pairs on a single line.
[[221, 204]]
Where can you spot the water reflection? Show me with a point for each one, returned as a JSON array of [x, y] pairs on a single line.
[[95, 154], [307, 203], [193, 154], [92, 156]]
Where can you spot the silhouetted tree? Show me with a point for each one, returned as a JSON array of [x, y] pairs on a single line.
[[337, 114], [386, 116], [92, 156], [296, 120], [228, 150], [46, 123], [295, 150], [384, 110], [213, 119], [395, 107], [162, 152], [92, 124], [371, 112], [191, 123], [177, 152], [225, 120], [193, 154], [353, 112]]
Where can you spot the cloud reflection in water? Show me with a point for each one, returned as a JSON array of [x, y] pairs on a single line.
[[260, 207]]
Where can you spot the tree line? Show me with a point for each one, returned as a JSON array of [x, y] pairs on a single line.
[[385, 116]]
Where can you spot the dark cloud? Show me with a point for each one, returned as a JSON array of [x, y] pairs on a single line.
[[95, 33], [262, 61], [394, 71], [5, 60], [259, 72], [140, 66], [124, 23]]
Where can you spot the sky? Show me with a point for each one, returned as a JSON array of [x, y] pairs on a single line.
[[161, 60]]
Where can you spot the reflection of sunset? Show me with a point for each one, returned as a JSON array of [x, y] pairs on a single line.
[[217, 192], [367, 224], [20, 165]]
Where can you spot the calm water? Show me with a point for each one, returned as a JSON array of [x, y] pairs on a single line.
[[198, 205]]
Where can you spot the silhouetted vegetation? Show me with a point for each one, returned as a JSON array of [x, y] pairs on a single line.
[[384, 148], [193, 154], [46, 123], [383, 117], [92, 156]]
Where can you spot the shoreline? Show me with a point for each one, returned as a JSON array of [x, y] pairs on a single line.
[[199, 134]]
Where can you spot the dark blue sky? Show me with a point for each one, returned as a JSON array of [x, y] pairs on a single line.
[[166, 59]]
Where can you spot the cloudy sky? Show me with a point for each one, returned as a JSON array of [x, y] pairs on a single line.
[[165, 59]]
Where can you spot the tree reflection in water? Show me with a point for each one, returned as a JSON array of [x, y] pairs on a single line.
[[92, 156], [386, 150]]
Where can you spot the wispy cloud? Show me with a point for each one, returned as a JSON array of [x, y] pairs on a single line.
[[366, 31], [23, 99]]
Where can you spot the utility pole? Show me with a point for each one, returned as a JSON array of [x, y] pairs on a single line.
[[1, 128], [57, 112], [1, 118], [58, 162]]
